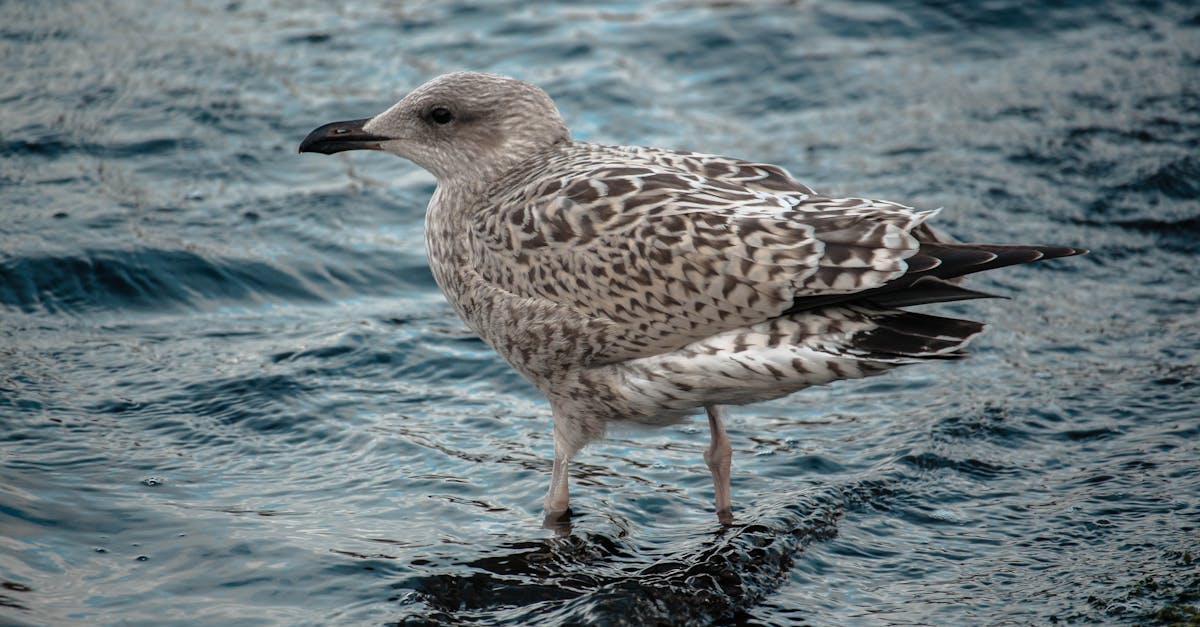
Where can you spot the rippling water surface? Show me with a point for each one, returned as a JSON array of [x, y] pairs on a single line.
[[230, 392]]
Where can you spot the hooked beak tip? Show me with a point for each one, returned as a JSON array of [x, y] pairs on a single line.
[[341, 136]]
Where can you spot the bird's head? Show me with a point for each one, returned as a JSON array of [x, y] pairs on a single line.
[[458, 126]]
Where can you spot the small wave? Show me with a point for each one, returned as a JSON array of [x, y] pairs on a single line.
[[1179, 179], [975, 468], [144, 279]]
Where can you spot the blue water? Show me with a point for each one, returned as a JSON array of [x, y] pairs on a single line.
[[230, 392]]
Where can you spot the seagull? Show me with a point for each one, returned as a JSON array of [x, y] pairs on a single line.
[[641, 285]]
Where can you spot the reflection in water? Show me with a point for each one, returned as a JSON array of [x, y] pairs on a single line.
[[715, 575]]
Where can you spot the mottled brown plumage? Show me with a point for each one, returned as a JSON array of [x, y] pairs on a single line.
[[640, 284]]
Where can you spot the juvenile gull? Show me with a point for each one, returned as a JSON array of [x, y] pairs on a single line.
[[641, 284]]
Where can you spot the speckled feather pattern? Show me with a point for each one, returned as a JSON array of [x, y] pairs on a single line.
[[642, 284], [653, 282]]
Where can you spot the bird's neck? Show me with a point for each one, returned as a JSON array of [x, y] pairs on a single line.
[[447, 225], [448, 242], [484, 170]]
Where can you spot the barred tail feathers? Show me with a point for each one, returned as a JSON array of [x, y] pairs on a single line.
[[778, 357]]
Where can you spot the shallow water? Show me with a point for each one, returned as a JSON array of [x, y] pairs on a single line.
[[230, 392]]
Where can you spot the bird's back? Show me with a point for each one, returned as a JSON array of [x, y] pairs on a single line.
[[674, 247]]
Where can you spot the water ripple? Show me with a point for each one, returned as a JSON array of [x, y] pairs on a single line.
[[231, 393]]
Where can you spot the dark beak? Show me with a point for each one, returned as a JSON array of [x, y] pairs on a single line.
[[339, 136]]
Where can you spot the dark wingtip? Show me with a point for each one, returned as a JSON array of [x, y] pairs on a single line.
[[911, 335]]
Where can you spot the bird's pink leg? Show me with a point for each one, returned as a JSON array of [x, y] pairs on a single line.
[[718, 457], [558, 494]]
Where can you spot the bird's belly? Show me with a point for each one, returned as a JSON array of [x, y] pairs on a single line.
[[545, 342]]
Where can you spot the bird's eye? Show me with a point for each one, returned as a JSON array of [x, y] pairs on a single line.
[[441, 115]]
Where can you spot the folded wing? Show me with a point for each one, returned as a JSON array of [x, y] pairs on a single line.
[[683, 246]]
